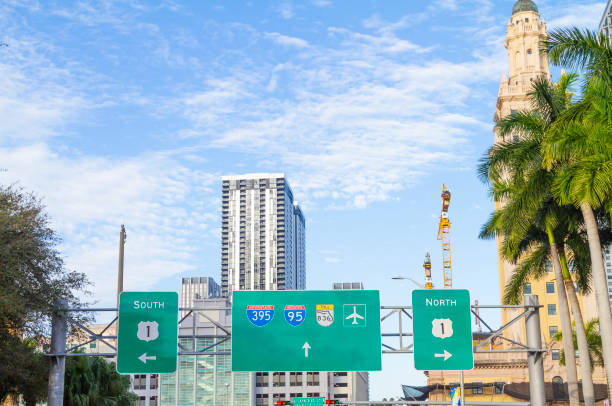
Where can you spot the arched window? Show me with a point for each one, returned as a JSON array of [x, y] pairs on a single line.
[[517, 58], [558, 389]]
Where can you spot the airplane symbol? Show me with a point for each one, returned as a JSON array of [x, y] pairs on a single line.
[[354, 316]]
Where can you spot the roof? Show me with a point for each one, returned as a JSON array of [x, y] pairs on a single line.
[[524, 5]]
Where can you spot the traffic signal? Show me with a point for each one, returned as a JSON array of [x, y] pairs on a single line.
[[332, 402], [283, 402]]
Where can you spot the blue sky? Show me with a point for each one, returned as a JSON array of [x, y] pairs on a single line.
[[131, 111]]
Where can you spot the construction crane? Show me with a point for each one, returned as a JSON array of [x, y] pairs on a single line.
[[444, 235], [427, 266]]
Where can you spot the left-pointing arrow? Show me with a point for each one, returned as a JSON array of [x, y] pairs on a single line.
[[144, 358]]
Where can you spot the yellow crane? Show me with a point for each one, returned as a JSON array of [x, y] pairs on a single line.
[[444, 235]]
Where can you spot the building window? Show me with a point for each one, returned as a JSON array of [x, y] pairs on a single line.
[[550, 287], [278, 379], [552, 330], [527, 289], [477, 388], [548, 266], [277, 396], [527, 20], [295, 379], [140, 382], [499, 388], [552, 310], [341, 395], [313, 395], [261, 379], [340, 374], [141, 401], [261, 399], [529, 52], [153, 401], [312, 378], [92, 345], [295, 395], [153, 382], [340, 385], [554, 355]]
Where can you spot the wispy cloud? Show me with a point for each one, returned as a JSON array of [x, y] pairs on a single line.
[[578, 15], [165, 206], [286, 40]]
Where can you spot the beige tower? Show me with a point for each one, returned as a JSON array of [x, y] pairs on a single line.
[[524, 33]]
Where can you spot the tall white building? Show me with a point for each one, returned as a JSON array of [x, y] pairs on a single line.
[[194, 288], [262, 235], [605, 25]]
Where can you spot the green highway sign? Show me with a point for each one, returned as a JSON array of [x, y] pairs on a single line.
[[442, 329], [301, 330], [307, 401], [147, 337]]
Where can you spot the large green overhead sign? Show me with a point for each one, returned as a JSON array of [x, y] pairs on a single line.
[[306, 330], [147, 337], [442, 329]]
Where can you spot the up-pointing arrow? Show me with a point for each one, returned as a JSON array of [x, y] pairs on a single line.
[[144, 357], [446, 355], [306, 347]]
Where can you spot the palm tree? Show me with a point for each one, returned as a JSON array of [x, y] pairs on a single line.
[[92, 381], [534, 227], [593, 338], [582, 147]]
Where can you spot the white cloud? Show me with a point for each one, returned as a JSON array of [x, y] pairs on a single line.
[[286, 40], [286, 11], [575, 15], [161, 202]]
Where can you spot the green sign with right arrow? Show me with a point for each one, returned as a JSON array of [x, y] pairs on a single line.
[[442, 329]]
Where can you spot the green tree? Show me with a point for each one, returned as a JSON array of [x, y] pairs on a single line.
[[582, 147], [593, 338], [92, 381], [533, 226], [32, 279]]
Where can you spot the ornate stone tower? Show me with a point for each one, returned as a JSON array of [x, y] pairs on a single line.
[[523, 36], [524, 32]]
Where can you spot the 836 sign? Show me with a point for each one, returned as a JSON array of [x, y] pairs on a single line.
[[260, 315]]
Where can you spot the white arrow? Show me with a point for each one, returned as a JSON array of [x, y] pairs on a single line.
[[144, 357], [446, 355], [306, 347]]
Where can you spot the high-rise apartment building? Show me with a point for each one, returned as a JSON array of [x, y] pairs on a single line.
[[605, 25], [262, 235], [198, 287]]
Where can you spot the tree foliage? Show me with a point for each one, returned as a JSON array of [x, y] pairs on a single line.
[[32, 280], [92, 381]]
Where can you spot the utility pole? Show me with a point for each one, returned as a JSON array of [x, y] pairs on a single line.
[[58, 362], [122, 237], [534, 357]]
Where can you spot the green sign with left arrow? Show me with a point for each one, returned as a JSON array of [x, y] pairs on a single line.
[[147, 337]]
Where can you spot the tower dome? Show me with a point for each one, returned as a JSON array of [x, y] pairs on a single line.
[[524, 5]]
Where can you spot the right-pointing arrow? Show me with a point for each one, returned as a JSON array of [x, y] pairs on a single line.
[[446, 355]]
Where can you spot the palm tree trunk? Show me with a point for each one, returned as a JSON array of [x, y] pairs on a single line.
[[588, 392], [566, 325], [600, 286]]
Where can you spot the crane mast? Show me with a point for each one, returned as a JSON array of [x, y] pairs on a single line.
[[444, 235]]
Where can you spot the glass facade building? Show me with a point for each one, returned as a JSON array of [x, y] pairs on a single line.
[[206, 379]]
